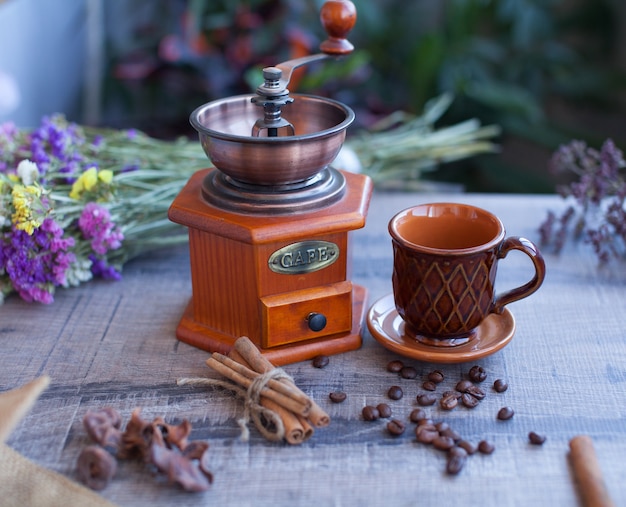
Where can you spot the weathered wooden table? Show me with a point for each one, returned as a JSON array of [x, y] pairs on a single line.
[[113, 344]]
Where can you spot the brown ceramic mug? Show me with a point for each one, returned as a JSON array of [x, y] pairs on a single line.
[[445, 262]]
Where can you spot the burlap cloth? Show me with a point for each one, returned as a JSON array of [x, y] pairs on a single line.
[[22, 482]]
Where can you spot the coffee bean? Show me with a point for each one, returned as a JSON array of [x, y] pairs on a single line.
[[395, 366], [448, 402], [443, 443], [395, 427], [457, 451], [426, 399], [384, 410], [442, 426], [463, 385], [449, 432], [395, 392], [436, 376], [428, 424], [505, 413], [426, 433], [500, 386], [455, 464], [429, 385], [320, 361], [451, 393], [486, 447], [337, 397], [408, 372], [468, 446], [476, 392], [417, 415], [469, 401], [536, 438], [477, 374], [370, 413]]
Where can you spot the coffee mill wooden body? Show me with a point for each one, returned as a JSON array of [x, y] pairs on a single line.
[[269, 224]]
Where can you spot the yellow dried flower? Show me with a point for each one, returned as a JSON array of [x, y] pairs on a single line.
[[85, 183], [28, 213], [105, 176]]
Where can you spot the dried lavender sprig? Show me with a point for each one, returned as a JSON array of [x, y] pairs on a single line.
[[597, 215]]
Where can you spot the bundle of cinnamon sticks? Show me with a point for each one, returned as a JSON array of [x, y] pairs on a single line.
[[297, 411]]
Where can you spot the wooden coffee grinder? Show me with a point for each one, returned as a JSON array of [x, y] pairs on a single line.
[[269, 223]]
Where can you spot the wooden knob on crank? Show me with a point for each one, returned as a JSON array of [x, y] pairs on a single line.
[[338, 17]]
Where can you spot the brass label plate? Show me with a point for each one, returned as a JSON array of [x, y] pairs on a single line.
[[303, 257]]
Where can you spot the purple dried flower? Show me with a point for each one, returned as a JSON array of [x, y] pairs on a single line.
[[36, 263], [56, 144], [100, 268], [95, 224], [600, 194]]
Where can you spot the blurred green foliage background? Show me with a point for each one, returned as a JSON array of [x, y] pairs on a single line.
[[546, 71]]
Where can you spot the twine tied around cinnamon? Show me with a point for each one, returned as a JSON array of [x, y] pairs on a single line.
[[267, 421], [278, 408]]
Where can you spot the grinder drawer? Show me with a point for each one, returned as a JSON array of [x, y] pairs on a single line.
[[303, 315]]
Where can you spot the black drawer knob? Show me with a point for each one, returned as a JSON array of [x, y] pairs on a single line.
[[317, 321]]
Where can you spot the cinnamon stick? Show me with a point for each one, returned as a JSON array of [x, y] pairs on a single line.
[[297, 428], [318, 417], [295, 432], [252, 356], [588, 473], [281, 399], [287, 389]]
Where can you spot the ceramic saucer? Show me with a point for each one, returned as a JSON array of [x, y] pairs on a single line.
[[387, 327]]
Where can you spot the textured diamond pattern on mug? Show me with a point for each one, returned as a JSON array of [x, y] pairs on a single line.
[[434, 300]]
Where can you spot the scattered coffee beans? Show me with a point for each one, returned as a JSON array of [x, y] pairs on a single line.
[[500, 386], [477, 374], [395, 427], [408, 372], [505, 413], [436, 376], [370, 413], [486, 447], [440, 434], [384, 410], [337, 397], [536, 438], [395, 392], [417, 415], [320, 361], [429, 385], [395, 366], [426, 399]]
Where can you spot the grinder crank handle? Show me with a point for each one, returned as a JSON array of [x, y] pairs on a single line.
[[338, 17]]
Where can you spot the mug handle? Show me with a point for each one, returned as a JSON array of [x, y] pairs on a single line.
[[529, 248]]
